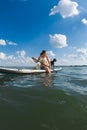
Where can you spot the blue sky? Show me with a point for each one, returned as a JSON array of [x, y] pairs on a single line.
[[29, 26]]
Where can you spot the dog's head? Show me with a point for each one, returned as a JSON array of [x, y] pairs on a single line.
[[54, 60]]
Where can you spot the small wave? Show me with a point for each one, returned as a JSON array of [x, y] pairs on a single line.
[[78, 89]]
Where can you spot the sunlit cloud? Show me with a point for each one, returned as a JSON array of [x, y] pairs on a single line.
[[58, 40], [18, 59], [84, 21], [51, 53], [11, 43], [2, 56], [78, 56], [6, 42], [66, 8], [2, 42], [21, 53]]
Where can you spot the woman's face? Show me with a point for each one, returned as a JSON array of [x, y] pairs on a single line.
[[44, 54]]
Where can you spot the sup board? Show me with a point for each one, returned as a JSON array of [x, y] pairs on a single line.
[[25, 71]]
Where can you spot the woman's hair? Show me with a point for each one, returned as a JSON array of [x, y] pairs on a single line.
[[43, 51]]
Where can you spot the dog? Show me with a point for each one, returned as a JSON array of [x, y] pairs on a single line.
[[52, 62]]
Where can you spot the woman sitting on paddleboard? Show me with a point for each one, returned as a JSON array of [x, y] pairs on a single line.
[[44, 60]]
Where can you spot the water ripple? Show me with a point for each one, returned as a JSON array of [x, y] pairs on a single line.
[[69, 79]]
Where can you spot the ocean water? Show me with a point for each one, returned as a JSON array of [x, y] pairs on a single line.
[[43, 102]]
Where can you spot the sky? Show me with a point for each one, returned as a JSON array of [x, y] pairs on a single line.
[[29, 26]]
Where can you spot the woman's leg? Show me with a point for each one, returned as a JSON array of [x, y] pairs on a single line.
[[47, 69]]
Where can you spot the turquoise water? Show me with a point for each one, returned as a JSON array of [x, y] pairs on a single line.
[[43, 102]]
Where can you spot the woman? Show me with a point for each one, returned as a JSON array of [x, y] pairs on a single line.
[[45, 61]]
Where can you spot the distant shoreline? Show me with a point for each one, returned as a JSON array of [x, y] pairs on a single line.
[[71, 66]]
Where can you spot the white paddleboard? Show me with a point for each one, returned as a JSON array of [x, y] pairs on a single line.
[[25, 71]]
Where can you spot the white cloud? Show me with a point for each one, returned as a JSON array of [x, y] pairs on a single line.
[[21, 53], [84, 21], [82, 51], [11, 57], [51, 54], [58, 40], [18, 59], [2, 55], [66, 8], [78, 56], [12, 43], [5, 42], [2, 42]]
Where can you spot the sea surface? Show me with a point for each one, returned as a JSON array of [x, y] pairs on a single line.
[[44, 102]]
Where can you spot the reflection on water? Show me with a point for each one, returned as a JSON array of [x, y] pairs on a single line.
[[26, 80], [47, 80]]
